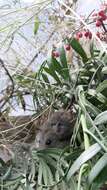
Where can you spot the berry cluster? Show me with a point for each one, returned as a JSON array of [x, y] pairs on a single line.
[[102, 36], [99, 18], [56, 53], [85, 33]]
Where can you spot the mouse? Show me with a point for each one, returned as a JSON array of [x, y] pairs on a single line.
[[56, 132]]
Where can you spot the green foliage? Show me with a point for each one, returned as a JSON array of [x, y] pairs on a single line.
[[54, 85], [89, 92], [78, 48]]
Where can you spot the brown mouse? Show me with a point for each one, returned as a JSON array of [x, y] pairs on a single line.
[[57, 131]]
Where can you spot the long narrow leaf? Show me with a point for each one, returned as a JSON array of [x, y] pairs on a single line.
[[102, 162], [101, 118], [84, 157], [102, 86], [78, 48], [64, 63], [100, 180], [53, 74]]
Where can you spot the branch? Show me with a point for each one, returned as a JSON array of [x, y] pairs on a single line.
[[6, 98], [41, 48]]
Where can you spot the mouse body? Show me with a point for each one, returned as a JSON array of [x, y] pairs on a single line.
[[56, 131]]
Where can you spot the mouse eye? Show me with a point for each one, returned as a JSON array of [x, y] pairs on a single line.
[[48, 142], [59, 124], [52, 124]]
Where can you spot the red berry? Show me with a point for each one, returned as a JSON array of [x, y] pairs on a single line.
[[102, 38], [98, 23], [90, 35], [101, 13], [79, 34], [67, 47], [104, 17], [55, 54], [98, 34], [86, 34]]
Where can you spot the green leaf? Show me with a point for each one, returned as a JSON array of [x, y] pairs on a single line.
[[53, 74], [7, 174], [78, 48], [99, 96], [47, 174], [63, 57], [40, 173], [84, 157], [101, 118], [54, 151], [104, 70], [23, 103], [102, 86], [45, 78], [100, 180], [56, 66], [12, 182], [81, 96], [28, 186], [61, 69], [93, 109], [102, 162], [36, 25], [41, 69], [64, 64]]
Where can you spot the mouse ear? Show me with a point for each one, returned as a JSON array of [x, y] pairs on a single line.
[[63, 131], [59, 129]]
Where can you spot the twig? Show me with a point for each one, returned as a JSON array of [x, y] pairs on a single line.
[[41, 48], [12, 89], [105, 30]]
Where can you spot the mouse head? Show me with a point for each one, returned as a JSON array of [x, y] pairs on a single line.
[[57, 131]]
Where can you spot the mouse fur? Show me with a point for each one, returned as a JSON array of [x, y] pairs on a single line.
[[56, 131]]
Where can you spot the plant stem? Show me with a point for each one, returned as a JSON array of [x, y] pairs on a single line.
[[80, 175], [105, 30], [97, 140], [84, 126]]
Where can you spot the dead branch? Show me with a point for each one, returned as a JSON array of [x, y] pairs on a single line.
[[6, 97]]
